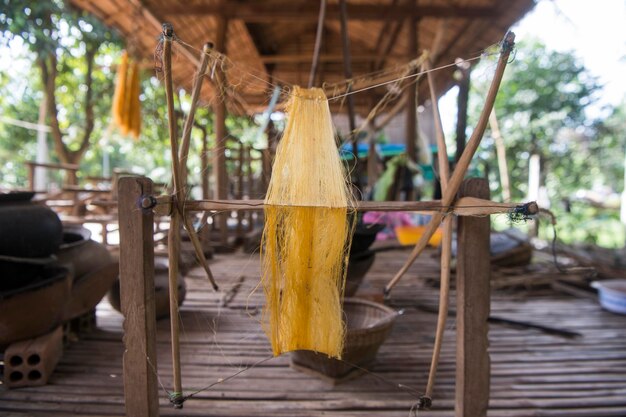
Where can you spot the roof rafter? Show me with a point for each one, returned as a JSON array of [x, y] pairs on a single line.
[[307, 12]]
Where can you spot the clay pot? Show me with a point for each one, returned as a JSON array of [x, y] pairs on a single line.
[[364, 236], [83, 254], [28, 230], [358, 265], [34, 309], [16, 197], [89, 289], [161, 290], [74, 235], [19, 272]]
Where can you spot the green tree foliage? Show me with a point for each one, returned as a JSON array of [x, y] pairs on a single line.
[[542, 108], [50, 40], [67, 47]]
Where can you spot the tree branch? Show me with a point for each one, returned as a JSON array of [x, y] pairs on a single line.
[[47, 64], [90, 54]]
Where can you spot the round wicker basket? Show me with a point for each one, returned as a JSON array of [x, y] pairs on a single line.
[[368, 324]]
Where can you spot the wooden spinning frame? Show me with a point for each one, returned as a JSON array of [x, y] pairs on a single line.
[[469, 200]]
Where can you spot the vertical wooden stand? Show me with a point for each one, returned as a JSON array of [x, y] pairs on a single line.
[[473, 305], [221, 135], [411, 103], [137, 298]]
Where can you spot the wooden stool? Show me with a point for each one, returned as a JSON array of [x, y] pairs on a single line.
[[30, 362]]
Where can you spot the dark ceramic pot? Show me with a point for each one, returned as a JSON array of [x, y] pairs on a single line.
[[89, 289], [34, 309], [358, 265], [74, 235], [20, 272], [16, 197], [83, 254], [161, 290], [364, 236], [28, 230]]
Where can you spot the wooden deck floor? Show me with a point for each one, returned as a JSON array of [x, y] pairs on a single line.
[[533, 373]]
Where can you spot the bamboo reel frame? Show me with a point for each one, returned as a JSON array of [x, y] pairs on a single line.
[[177, 208]]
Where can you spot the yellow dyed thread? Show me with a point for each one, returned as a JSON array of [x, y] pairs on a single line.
[[307, 232], [126, 104]]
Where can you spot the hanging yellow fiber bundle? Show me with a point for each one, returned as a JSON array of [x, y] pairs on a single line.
[[134, 105], [119, 97], [307, 232], [126, 105]]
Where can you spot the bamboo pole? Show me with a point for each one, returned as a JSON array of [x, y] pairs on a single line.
[[411, 95], [240, 162], [204, 163], [501, 154], [347, 72], [180, 184], [174, 233], [250, 183], [442, 153], [464, 206], [446, 244], [221, 132], [462, 99], [444, 300], [464, 161], [318, 43], [195, 96]]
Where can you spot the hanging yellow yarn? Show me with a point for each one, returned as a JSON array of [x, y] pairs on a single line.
[[307, 232], [126, 105], [133, 103], [119, 97]]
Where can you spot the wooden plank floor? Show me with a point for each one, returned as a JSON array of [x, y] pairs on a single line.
[[533, 373]]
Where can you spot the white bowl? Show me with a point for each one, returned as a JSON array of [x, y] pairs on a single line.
[[612, 294]]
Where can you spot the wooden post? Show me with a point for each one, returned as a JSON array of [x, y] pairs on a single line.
[[501, 154], [347, 72], [473, 304], [239, 194], [411, 102], [137, 297], [219, 156], [250, 182], [534, 187], [266, 168], [204, 164], [461, 119], [318, 43], [31, 177]]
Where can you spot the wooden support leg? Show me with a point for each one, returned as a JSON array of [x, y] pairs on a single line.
[[105, 233], [473, 304], [31, 177], [137, 298]]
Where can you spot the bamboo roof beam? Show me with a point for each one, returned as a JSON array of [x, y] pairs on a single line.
[[257, 12]]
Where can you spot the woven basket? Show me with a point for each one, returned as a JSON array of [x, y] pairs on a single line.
[[368, 323]]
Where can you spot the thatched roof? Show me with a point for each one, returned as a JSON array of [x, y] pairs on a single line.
[[274, 39]]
